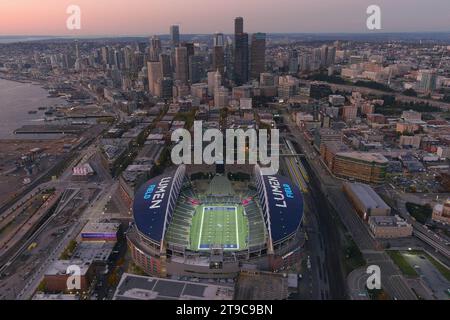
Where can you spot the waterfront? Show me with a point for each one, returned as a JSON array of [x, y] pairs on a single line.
[[16, 100]]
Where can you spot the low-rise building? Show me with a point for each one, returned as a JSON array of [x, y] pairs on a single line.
[[100, 231], [365, 200], [360, 166], [441, 212], [386, 227], [134, 287], [56, 276]]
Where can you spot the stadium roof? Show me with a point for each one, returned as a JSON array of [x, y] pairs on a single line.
[[152, 203], [284, 203]]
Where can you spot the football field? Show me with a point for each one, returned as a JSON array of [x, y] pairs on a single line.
[[223, 226]]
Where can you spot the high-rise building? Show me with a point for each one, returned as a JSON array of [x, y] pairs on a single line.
[[105, 55], [127, 58], [77, 50], [323, 55], [258, 55], [196, 68], [228, 58], [240, 52], [221, 97], [293, 62], [118, 60], [428, 80], [331, 57], [190, 52], [175, 36], [181, 65], [305, 62], [164, 88], [238, 25], [154, 76], [218, 39], [155, 49], [214, 82], [218, 59], [166, 69], [189, 47], [316, 58]]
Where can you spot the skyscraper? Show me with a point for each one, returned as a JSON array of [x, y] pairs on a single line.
[[218, 62], [331, 56], [181, 64], [258, 55], [323, 55], [77, 50], [293, 62], [428, 80], [238, 25], [166, 68], [218, 39], [214, 82], [154, 76], [240, 52], [196, 68], [189, 47], [155, 48], [118, 59], [190, 53], [105, 55], [174, 36]]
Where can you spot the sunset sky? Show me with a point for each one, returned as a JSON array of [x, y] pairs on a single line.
[[143, 17]]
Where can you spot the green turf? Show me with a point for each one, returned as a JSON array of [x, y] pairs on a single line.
[[226, 228], [401, 262]]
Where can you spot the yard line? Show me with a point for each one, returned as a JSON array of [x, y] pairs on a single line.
[[201, 227], [237, 228]]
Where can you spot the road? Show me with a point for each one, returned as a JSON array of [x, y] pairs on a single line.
[[420, 231], [392, 280], [323, 238], [398, 96]]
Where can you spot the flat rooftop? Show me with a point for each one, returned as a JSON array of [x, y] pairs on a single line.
[[59, 267], [367, 196], [46, 296], [93, 251], [388, 221], [134, 287], [364, 156], [101, 227]]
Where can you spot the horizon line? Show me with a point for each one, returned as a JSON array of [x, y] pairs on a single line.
[[368, 33]]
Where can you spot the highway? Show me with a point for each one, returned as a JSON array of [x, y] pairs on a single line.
[[398, 96], [323, 238]]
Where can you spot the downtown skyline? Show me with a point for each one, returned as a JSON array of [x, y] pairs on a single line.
[[201, 17]]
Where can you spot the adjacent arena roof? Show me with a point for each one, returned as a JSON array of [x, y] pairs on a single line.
[[154, 203]]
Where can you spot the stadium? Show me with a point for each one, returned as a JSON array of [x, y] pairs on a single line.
[[214, 228]]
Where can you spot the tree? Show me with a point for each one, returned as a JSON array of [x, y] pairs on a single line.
[[410, 92]]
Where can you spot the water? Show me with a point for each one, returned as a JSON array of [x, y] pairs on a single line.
[[16, 99]]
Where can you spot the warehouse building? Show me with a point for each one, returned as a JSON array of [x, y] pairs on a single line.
[[365, 200]]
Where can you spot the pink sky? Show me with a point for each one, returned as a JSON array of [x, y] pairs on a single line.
[[144, 17]]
